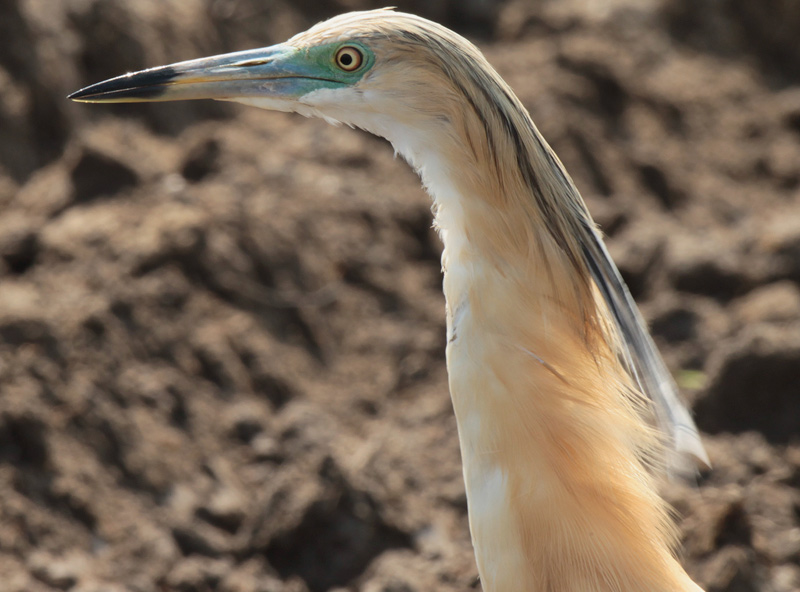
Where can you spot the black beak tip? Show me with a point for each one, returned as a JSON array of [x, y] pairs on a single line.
[[78, 94], [147, 84]]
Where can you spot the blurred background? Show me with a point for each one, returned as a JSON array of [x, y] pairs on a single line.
[[222, 329]]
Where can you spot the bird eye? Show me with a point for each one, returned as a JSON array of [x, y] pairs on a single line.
[[349, 58]]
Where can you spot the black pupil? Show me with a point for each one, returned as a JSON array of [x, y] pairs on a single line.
[[346, 59]]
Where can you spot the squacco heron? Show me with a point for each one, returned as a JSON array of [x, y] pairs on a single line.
[[565, 410]]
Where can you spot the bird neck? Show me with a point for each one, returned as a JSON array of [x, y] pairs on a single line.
[[552, 440]]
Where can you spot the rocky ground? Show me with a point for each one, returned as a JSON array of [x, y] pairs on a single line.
[[222, 330]]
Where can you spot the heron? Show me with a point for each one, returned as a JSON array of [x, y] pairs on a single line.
[[567, 415]]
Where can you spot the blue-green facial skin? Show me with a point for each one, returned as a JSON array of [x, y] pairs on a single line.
[[323, 71], [290, 72]]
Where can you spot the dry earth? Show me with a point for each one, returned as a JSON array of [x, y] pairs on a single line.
[[222, 330]]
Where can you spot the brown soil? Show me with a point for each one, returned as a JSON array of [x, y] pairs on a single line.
[[222, 329]]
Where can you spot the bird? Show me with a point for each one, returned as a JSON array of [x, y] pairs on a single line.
[[567, 416]]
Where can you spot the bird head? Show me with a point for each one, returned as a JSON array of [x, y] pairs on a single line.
[[387, 72]]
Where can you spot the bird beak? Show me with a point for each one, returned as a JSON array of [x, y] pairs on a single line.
[[279, 72]]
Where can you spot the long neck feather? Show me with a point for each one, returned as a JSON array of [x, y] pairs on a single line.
[[555, 447]]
